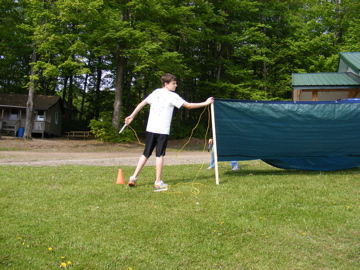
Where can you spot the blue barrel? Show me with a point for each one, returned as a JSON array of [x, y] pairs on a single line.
[[20, 132]]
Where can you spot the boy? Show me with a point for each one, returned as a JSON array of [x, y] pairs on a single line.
[[162, 102]]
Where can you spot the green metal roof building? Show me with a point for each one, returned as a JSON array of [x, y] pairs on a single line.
[[345, 83]]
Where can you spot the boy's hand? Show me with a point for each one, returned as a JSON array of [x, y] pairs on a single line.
[[128, 120], [210, 100]]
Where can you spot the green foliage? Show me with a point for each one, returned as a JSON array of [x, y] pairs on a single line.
[[76, 217], [351, 27], [227, 49], [103, 130]]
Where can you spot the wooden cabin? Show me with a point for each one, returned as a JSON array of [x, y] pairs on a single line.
[[47, 115], [343, 84]]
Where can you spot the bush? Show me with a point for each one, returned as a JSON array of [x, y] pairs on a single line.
[[103, 130]]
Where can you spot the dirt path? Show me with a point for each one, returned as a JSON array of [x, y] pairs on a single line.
[[56, 152]]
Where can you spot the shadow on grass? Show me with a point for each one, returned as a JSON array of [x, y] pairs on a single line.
[[226, 175], [188, 179], [275, 171]]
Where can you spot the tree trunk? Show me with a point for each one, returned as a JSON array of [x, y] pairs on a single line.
[[118, 91], [65, 88], [83, 97], [221, 52], [337, 22], [30, 102], [70, 99], [97, 89]]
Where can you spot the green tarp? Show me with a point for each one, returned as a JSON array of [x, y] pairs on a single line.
[[291, 135]]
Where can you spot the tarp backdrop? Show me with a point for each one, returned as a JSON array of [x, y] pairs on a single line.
[[320, 136]]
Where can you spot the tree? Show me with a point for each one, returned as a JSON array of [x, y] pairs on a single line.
[[350, 25], [242, 49], [15, 54]]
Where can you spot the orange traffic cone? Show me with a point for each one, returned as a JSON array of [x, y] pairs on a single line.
[[120, 178]]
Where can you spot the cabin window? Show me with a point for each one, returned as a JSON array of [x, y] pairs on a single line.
[[40, 116], [14, 114]]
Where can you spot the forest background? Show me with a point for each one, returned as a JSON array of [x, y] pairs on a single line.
[[103, 56]]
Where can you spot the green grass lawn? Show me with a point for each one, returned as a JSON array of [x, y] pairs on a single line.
[[76, 217]]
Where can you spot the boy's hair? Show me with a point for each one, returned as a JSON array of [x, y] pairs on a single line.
[[167, 78]]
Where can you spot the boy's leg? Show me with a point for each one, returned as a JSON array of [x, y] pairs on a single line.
[[160, 153], [212, 161], [141, 163], [159, 184], [149, 147], [159, 167]]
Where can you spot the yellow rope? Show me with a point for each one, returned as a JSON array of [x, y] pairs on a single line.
[[136, 135], [194, 190], [192, 131]]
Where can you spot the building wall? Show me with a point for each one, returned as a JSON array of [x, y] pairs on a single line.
[[54, 119], [307, 95], [9, 117], [50, 124]]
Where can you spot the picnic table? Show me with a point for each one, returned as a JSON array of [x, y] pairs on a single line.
[[78, 134]]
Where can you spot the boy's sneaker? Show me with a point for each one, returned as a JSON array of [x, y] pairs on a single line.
[[160, 185], [132, 181], [235, 168]]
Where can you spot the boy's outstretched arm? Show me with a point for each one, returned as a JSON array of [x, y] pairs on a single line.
[[189, 106], [138, 108]]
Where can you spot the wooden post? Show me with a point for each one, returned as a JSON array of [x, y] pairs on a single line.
[[215, 144]]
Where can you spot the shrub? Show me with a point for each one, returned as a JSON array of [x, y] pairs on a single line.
[[103, 130]]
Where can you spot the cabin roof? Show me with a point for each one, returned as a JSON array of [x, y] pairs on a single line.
[[41, 102], [349, 60], [325, 80]]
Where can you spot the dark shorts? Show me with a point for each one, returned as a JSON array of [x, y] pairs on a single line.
[[158, 140]]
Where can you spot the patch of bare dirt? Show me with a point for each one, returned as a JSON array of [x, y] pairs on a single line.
[[56, 152]]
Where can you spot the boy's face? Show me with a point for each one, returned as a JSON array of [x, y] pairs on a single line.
[[171, 86]]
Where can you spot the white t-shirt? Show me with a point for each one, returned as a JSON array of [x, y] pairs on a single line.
[[162, 103]]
